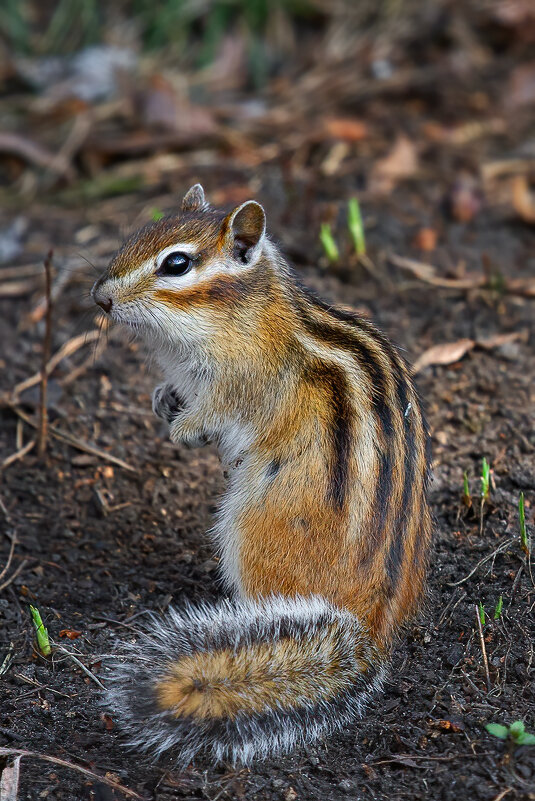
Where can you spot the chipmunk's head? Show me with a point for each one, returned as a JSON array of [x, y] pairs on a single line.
[[175, 276]]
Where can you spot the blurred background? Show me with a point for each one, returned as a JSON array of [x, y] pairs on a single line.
[[304, 102]]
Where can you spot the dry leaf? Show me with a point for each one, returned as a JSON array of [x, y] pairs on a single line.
[[425, 239], [9, 781], [448, 353], [400, 163], [350, 130], [523, 202], [71, 634]]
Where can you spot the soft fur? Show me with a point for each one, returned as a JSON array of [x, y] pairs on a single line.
[[341, 670]]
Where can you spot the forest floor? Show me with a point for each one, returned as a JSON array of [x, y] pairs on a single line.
[[99, 542]]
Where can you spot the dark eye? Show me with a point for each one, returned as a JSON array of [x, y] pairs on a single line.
[[175, 264]]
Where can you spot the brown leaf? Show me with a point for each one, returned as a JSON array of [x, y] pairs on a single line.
[[346, 128], [523, 201], [400, 163], [71, 634], [425, 239], [447, 353]]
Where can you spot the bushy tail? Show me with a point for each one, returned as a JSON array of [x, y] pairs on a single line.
[[244, 679]]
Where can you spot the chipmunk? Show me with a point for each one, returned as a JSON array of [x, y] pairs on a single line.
[[323, 533]]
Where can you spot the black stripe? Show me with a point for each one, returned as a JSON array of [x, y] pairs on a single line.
[[367, 360], [335, 384], [396, 550]]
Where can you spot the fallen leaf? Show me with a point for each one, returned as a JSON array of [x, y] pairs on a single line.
[[9, 781], [400, 163], [108, 721], [447, 353], [71, 634], [451, 352], [346, 128], [523, 201], [425, 239]]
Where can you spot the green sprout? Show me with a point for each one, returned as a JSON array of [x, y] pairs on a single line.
[[41, 633], [516, 732], [485, 480], [522, 518], [356, 227], [498, 608], [467, 498], [156, 214], [481, 611], [329, 245]]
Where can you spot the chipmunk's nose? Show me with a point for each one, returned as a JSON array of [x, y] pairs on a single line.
[[101, 298], [105, 304]]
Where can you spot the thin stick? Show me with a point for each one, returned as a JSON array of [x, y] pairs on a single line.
[[75, 443], [56, 761], [81, 666], [19, 569], [43, 412], [483, 649], [10, 557], [17, 455], [67, 349]]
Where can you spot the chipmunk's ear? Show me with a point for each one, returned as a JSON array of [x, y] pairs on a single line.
[[194, 199], [244, 230]]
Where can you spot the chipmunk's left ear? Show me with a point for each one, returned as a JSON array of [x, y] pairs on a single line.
[[244, 230], [194, 199]]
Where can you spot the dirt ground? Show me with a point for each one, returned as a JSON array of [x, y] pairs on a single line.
[[98, 543]]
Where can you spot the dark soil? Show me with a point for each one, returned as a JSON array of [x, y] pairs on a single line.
[[101, 544]]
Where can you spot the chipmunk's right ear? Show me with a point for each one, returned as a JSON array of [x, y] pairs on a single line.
[[194, 199], [243, 231]]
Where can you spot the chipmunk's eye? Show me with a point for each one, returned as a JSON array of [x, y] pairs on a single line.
[[175, 264]]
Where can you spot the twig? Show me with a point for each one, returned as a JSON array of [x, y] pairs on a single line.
[[81, 666], [10, 557], [56, 761], [75, 443], [483, 648], [498, 550], [17, 455], [19, 569], [67, 349], [43, 412]]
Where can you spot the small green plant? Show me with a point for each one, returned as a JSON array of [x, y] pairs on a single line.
[[329, 244], [485, 480], [516, 733], [498, 608], [356, 227], [467, 498], [41, 633], [156, 214], [522, 518], [481, 611]]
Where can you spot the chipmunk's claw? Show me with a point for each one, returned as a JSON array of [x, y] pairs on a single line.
[[167, 403]]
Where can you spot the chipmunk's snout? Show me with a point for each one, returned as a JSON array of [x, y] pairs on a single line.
[[101, 298]]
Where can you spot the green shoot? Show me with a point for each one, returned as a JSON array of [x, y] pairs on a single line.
[[522, 517], [467, 498], [516, 732], [356, 227], [41, 633], [485, 480], [482, 616], [498, 608], [329, 245], [156, 214]]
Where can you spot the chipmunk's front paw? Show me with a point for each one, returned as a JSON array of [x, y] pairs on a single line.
[[167, 403], [185, 431]]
